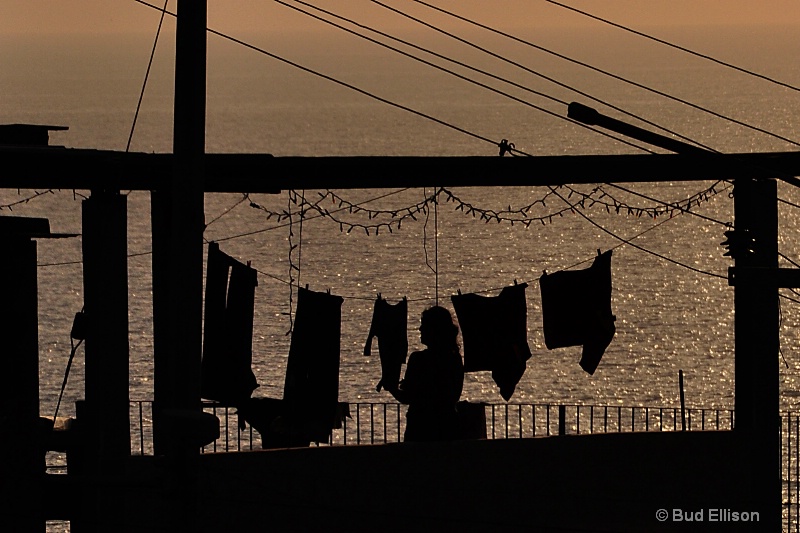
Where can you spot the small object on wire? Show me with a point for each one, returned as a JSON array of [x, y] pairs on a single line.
[[506, 146]]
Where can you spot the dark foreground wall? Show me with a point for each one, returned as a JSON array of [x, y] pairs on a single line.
[[613, 482]]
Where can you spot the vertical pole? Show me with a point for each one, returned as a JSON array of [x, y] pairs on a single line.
[[107, 438], [757, 343], [178, 223], [178, 270], [21, 457]]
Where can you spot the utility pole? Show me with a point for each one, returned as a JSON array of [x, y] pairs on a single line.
[[757, 340], [178, 222], [756, 279]]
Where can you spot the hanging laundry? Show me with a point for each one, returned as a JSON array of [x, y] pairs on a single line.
[[495, 334], [576, 310], [226, 373], [311, 388], [390, 326]]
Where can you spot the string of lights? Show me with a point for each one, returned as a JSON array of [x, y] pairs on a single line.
[[36, 194], [664, 208], [641, 248]]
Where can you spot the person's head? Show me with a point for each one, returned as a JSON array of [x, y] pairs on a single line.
[[437, 329]]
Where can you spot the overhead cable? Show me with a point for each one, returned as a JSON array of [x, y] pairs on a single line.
[[675, 46], [459, 76], [607, 73], [536, 73], [146, 75]]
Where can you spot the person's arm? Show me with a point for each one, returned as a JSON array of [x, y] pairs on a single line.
[[403, 392]]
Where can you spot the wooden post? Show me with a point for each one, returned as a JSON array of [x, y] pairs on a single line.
[[22, 457], [757, 343], [106, 427], [178, 224]]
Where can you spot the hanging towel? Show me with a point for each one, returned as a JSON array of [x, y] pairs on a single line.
[[226, 373], [390, 326], [576, 310], [495, 334], [311, 389]]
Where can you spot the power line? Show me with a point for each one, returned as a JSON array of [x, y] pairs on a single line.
[[607, 73], [457, 75], [675, 46], [332, 79], [538, 74], [420, 48], [146, 76]]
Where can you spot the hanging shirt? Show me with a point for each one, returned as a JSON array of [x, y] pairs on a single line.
[[495, 334], [390, 326], [311, 389], [576, 310], [226, 373]]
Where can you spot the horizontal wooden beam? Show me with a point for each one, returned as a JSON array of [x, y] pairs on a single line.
[[70, 168]]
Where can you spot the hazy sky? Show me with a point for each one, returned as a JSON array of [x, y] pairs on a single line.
[[114, 16]]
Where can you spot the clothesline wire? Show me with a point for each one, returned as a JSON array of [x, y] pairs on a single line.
[[536, 73], [675, 46], [467, 79], [607, 73], [229, 209], [146, 76]]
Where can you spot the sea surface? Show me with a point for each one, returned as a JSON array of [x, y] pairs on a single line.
[[669, 317]]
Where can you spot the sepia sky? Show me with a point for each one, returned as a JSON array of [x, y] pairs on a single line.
[[125, 16]]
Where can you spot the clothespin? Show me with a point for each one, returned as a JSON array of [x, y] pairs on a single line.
[[598, 252], [515, 282], [306, 286], [459, 292], [328, 291]]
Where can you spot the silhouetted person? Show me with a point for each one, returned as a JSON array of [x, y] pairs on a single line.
[[433, 380]]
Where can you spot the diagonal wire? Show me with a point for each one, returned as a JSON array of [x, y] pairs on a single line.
[[607, 73], [461, 77], [675, 46], [538, 74], [628, 241], [146, 75]]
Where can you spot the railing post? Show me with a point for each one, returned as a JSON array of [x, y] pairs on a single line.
[[562, 414]]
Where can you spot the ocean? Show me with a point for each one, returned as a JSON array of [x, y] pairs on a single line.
[[669, 317]]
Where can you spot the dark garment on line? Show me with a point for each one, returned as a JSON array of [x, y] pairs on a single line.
[[431, 387], [311, 389], [226, 373], [390, 326], [495, 333], [576, 310]]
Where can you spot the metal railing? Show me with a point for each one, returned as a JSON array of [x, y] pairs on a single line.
[[379, 423]]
